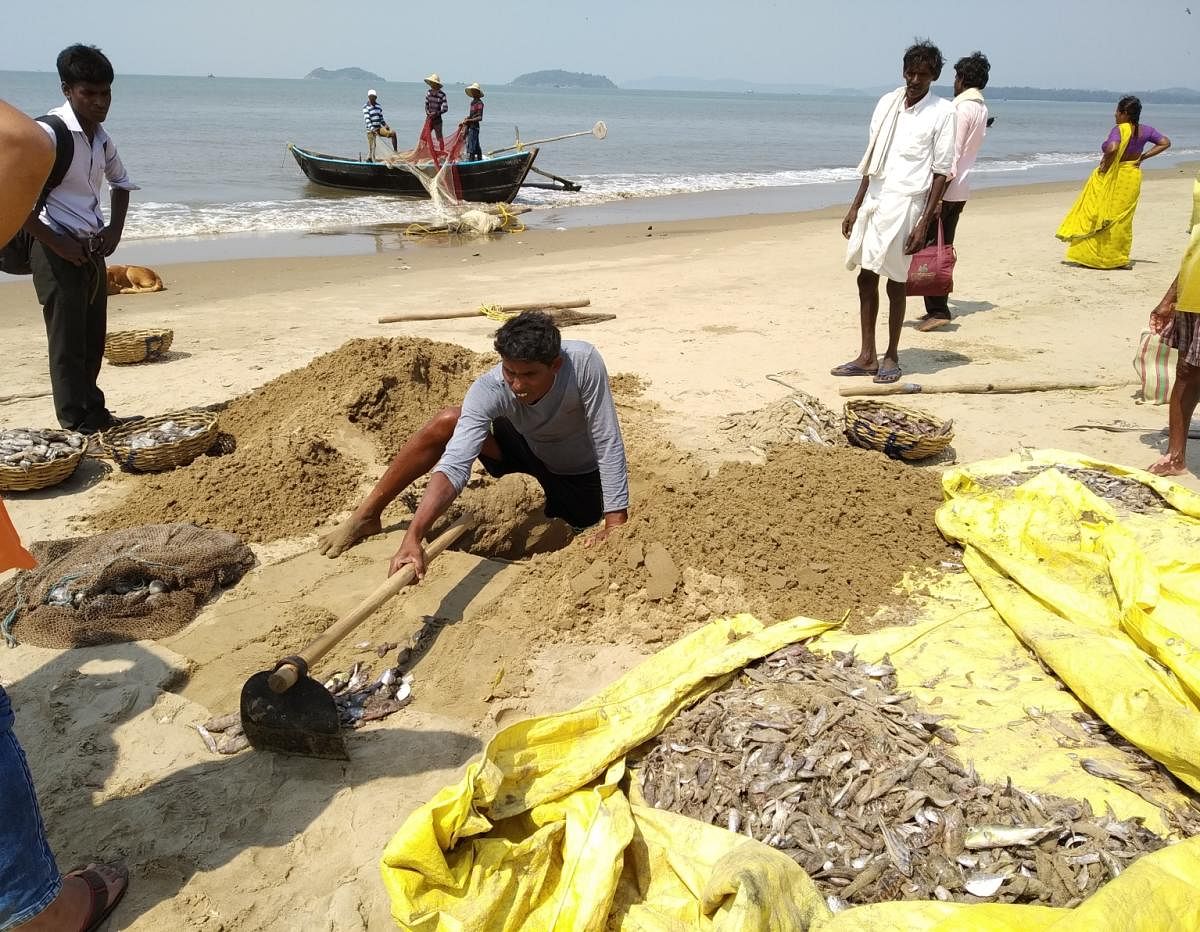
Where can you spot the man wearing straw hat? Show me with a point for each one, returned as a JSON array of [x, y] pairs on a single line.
[[435, 105], [376, 124], [474, 118]]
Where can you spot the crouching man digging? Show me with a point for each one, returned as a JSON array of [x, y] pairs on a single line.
[[546, 410]]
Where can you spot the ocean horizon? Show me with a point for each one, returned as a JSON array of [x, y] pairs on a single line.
[[210, 154]]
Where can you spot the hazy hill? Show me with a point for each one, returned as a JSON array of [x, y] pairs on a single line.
[[558, 78], [346, 74]]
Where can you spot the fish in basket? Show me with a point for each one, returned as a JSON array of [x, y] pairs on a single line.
[[37, 459], [901, 433], [158, 443]]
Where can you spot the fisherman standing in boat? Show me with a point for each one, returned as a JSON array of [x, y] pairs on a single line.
[[471, 123], [435, 105], [376, 124]]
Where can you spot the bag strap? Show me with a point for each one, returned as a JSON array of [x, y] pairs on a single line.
[[64, 153]]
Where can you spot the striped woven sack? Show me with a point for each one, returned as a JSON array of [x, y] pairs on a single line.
[[1155, 367]]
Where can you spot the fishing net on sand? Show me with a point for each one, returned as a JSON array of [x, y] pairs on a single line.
[[127, 585], [434, 162]]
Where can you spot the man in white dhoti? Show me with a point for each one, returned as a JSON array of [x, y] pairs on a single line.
[[904, 172]]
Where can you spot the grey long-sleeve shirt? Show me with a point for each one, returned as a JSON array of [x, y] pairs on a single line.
[[573, 428]]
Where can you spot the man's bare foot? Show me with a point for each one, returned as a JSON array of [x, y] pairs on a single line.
[[1168, 466], [341, 538], [86, 896]]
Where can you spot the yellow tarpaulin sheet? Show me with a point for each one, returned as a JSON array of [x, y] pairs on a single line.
[[541, 835]]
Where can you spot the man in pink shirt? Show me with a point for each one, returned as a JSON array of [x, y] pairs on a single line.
[[970, 78]]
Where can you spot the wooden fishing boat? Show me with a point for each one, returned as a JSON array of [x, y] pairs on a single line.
[[491, 180]]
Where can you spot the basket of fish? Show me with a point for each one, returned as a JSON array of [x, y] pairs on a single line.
[[37, 459], [154, 444], [900, 432], [126, 347]]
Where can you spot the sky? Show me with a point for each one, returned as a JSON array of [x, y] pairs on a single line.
[[1103, 44]]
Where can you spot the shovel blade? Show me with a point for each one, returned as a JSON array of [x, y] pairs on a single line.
[[302, 721]]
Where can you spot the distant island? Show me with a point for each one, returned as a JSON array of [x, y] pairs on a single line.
[[345, 74], [557, 78], [1168, 95]]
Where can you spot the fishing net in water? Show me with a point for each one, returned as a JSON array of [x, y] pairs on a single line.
[[434, 162], [127, 585]]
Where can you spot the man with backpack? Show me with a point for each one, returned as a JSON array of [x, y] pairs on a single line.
[[71, 239]]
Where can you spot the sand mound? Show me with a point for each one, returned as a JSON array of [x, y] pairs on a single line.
[[306, 440], [813, 531]]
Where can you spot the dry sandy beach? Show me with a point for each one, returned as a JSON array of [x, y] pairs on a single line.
[[706, 310]]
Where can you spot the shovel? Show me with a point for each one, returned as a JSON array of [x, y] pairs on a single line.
[[284, 710]]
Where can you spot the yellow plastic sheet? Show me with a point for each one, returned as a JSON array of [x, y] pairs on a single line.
[[546, 833], [1110, 603]]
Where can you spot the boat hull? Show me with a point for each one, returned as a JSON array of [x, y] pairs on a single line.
[[492, 181]]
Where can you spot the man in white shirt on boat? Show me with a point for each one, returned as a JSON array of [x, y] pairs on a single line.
[[909, 157]]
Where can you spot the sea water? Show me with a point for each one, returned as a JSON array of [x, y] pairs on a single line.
[[211, 159]]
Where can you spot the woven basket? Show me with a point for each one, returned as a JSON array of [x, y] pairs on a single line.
[[929, 436], [115, 442], [126, 347], [40, 475]]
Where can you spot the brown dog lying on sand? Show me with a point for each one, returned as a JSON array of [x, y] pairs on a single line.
[[133, 279]]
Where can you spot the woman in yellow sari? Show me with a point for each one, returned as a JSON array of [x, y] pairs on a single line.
[[1099, 228]]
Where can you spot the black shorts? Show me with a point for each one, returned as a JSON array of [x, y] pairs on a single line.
[[578, 500]]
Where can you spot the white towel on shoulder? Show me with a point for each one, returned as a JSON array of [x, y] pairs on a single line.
[[881, 139]]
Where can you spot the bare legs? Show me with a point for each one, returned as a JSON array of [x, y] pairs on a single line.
[[868, 308], [418, 455], [1182, 405]]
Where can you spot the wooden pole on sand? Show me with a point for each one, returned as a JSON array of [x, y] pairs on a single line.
[[975, 388], [502, 308]]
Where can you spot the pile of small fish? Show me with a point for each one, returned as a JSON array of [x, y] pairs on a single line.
[[821, 758], [229, 727], [166, 432], [1127, 493], [360, 699], [894, 420], [797, 418], [24, 447], [130, 591]]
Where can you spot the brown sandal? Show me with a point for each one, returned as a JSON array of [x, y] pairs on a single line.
[[101, 906]]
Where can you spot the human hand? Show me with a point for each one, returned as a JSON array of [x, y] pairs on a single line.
[[1161, 317], [612, 521], [848, 221], [110, 237], [916, 239], [411, 553]]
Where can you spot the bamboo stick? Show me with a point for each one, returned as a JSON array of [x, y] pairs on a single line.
[[975, 388], [503, 308]]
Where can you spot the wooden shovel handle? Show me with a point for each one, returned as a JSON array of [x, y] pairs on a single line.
[[286, 674]]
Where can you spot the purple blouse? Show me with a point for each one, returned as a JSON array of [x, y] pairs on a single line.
[[1146, 135]]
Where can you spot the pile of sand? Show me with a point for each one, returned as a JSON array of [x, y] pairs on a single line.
[[306, 441], [812, 531]]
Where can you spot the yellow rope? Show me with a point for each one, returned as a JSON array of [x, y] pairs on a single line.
[[494, 312]]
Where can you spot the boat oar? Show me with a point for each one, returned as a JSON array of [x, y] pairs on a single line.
[[284, 710], [599, 131]]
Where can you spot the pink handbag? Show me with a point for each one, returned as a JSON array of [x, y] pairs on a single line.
[[931, 272]]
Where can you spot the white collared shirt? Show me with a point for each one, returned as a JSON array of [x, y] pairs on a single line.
[[74, 206], [972, 127], [921, 146]]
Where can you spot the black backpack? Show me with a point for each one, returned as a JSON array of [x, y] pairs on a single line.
[[14, 256]]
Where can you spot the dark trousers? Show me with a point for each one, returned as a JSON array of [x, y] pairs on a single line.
[[936, 305], [74, 302], [474, 152]]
